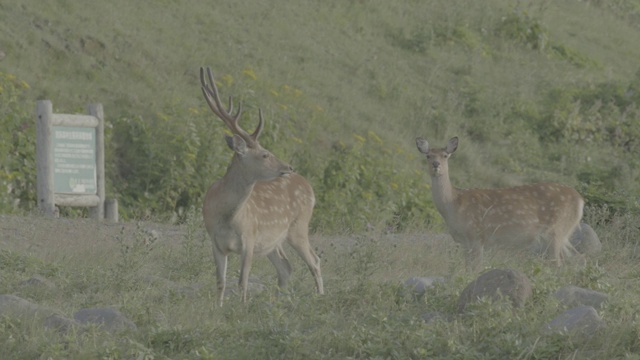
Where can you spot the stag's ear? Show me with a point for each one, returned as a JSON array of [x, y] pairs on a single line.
[[423, 145], [237, 144], [452, 145]]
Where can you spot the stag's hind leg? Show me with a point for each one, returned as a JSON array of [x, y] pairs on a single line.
[[279, 260], [298, 238]]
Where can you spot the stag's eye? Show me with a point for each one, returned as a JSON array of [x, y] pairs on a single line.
[[265, 155]]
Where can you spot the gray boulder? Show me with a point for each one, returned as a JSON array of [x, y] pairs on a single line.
[[582, 321], [107, 319], [59, 323], [14, 306], [585, 240], [497, 283], [418, 286], [576, 296]]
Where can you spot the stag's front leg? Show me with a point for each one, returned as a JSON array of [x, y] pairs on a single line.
[[245, 268], [221, 272]]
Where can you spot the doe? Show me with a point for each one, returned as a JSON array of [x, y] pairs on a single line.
[[510, 217], [257, 205]]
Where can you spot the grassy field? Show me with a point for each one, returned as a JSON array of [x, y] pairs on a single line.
[[535, 90], [161, 277]]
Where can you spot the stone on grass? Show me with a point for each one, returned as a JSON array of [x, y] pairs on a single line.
[[582, 320], [14, 306], [107, 319], [494, 284], [418, 286], [576, 296], [585, 240], [59, 323]]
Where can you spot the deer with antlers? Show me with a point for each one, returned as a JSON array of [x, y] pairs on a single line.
[[512, 217], [258, 204]]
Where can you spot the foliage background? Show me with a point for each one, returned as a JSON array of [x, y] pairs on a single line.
[[536, 90]]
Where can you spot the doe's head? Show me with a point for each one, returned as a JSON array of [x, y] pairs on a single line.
[[437, 158]]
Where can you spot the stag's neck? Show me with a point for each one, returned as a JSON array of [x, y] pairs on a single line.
[[444, 195], [235, 190]]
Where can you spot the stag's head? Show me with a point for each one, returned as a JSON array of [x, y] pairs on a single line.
[[437, 158], [249, 155]]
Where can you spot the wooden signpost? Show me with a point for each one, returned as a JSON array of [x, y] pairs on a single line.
[[70, 161]]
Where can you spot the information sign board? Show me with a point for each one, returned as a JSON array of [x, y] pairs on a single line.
[[74, 159]]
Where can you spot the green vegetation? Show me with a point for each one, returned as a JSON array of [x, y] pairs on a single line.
[[535, 91]]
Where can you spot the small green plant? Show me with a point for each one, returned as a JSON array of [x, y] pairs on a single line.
[[134, 252]]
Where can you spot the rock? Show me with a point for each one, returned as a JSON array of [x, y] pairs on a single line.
[[576, 296], [582, 320], [107, 319], [418, 286], [59, 323], [14, 306], [496, 283], [585, 240]]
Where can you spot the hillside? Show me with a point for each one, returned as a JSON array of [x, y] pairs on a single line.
[[537, 90]]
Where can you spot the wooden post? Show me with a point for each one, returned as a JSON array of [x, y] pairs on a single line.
[[97, 111], [44, 157], [111, 210]]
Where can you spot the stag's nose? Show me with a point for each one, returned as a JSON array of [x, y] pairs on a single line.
[[288, 169], [435, 164]]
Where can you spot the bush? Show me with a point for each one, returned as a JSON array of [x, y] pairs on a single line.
[[17, 144]]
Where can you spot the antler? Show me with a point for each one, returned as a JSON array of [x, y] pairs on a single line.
[[210, 92]]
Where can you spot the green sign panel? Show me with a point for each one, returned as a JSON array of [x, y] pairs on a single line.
[[74, 160]]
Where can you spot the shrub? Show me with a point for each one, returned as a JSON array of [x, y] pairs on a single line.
[[17, 144]]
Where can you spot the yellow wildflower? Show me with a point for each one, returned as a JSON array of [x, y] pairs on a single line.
[[359, 138], [372, 135], [228, 79], [250, 73]]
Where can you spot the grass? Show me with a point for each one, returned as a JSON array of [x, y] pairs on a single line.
[[165, 285]]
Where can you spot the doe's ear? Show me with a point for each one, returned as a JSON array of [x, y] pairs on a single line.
[[236, 143], [423, 145], [452, 145]]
